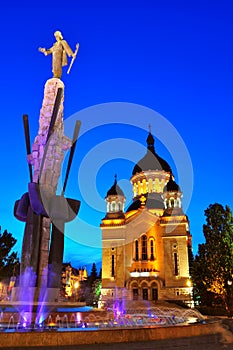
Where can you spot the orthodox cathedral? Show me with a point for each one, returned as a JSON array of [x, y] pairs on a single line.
[[145, 249]]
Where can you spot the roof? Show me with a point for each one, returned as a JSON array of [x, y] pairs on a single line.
[[151, 161], [115, 190], [171, 186], [153, 201]]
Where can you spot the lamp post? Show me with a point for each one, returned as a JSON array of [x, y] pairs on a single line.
[[229, 297], [76, 286]]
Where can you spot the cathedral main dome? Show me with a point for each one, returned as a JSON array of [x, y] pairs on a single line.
[[149, 177], [151, 161]]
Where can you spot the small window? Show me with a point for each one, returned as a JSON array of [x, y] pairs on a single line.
[[175, 264], [113, 267], [136, 251]]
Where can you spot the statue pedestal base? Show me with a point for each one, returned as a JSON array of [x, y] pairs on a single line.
[[32, 295]]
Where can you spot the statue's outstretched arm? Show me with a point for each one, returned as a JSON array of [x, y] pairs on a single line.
[[46, 52]]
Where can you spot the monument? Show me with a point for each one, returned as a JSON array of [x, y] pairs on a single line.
[[43, 210]]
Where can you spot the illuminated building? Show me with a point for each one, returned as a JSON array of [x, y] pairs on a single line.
[[71, 279], [145, 249]]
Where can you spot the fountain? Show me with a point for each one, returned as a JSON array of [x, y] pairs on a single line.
[[127, 315]]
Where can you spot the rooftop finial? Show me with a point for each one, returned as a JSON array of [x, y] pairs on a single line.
[[149, 127], [115, 176]]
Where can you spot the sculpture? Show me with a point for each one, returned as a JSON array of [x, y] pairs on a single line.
[[43, 210], [59, 51]]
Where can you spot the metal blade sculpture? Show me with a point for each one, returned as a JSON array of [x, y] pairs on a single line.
[[60, 207], [40, 206]]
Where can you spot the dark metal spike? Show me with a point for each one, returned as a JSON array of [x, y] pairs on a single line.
[[27, 140], [75, 136]]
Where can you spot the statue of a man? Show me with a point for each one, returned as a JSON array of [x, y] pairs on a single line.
[[59, 52]]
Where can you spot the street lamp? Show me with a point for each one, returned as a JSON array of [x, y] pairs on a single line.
[[76, 286]]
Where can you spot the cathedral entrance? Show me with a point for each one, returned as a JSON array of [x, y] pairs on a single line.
[[135, 294], [154, 291], [154, 294], [145, 294], [144, 289]]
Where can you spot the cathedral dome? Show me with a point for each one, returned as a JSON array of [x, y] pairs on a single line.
[[115, 190], [171, 186], [151, 161]]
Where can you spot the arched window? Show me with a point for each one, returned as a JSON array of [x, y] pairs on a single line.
[[139, 188], [172, 202], [157, 185], [144, 247], [113, 206], [135, 190], [144, 186], [150, 186], [136, 251], [119, 206], [152, 249]]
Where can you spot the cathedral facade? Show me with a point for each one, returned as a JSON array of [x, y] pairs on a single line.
[[145, 249]]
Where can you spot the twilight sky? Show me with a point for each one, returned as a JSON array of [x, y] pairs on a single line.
[[166, 63]]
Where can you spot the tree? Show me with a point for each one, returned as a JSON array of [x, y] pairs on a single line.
[[200, 274], [94, 275], [212, 270], [91, 289], [8, 259]]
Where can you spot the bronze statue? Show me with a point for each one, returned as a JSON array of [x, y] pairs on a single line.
[[59, 52]]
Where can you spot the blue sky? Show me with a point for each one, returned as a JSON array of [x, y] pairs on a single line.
[[171, 57]]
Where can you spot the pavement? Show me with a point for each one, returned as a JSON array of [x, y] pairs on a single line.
[[213, 342]]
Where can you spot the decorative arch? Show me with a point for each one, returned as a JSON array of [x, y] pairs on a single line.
[[143, 283]]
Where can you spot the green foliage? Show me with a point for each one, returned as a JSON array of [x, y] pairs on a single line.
[[212, 269], [9, 261], [96, 291], [93, 276], [90, 290]]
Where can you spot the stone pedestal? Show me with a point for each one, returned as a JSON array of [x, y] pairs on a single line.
[[34, 295]]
